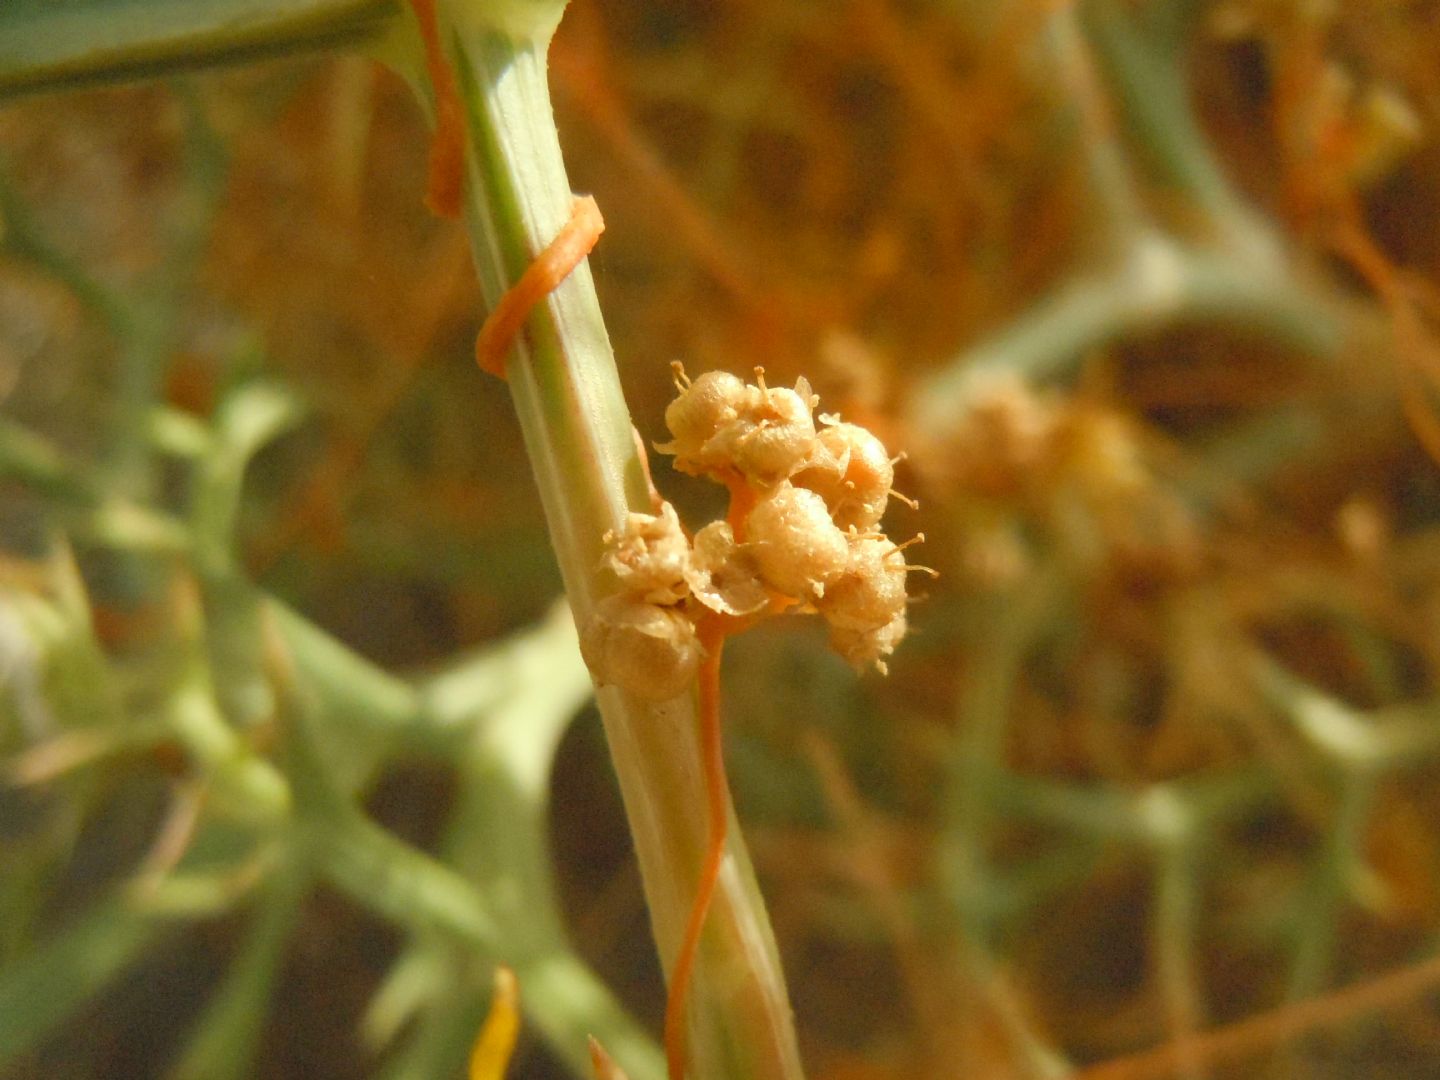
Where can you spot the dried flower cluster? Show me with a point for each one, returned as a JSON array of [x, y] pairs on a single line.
[[803, 534]]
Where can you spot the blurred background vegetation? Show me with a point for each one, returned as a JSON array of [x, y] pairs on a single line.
[[1147, 292]]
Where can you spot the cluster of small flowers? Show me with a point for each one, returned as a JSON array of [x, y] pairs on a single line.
[[1025, 466], [1015, 442], [809, 538]]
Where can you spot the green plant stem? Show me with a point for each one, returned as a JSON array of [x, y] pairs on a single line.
[[246, 420], [224, 1045], [1331, 876], [562, 996], [82, 503], [1174, 916], [1157, 282], [1149, 87], [1110, 175], [44, 44], [22, 236], [41, 990], [578, 434], [494, 893], [517, 682], [504, 777], [1011, 622]]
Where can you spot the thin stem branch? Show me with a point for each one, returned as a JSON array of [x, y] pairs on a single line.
[[1235, 1042]]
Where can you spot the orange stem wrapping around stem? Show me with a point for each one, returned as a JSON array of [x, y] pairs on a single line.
[[552, 266], [447, 147], [712, 631]]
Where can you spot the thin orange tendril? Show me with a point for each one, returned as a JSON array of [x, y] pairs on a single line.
[[712, 632], [604, 1066], [742, 501], [447, 147], [1268, 1031], [541, 277]]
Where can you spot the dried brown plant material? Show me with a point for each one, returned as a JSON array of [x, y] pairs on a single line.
[[645, 649], [992, 551], [724, 575], [1099, 450], [1000, 443]]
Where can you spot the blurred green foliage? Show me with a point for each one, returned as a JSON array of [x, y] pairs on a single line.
[[1146, 292]]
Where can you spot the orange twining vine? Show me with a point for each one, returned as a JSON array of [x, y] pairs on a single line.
[[447, 148], [552, 266], [445, 187], [802, 534]]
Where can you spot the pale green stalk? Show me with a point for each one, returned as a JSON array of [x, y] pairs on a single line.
[[42, 990], [578, 434]]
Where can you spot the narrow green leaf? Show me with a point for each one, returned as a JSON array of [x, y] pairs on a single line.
[[40, 991], [225, 1043], [59, 44]]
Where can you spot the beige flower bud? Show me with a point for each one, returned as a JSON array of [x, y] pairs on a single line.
[[645, 649], [864, 647], [870, 594], [798, 548], [774, 434], [704, 409], [651, 556], [810, 503], [851, 470]]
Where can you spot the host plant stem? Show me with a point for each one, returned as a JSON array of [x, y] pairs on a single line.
[[579, 438]]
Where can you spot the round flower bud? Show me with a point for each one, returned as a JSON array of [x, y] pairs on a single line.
[[864, 647], [799, 550], [651, 555], [871, 591], [774, 433], [851, 471], [645, 649], [703, 409]]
